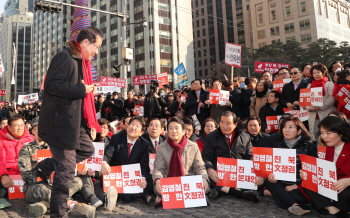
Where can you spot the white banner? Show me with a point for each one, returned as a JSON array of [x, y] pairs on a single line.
[[13, 65], [26, 99]]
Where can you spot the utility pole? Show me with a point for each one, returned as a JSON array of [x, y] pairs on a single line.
[[124, 43]]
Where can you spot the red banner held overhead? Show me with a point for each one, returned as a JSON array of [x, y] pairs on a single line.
[[163, 79], [143, 79], [278, 84], [260, 67], [2, 92], [110, 81]]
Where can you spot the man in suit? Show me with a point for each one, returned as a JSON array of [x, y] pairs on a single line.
[[153, 135], [127, 147], [129, 104], [195, 101]]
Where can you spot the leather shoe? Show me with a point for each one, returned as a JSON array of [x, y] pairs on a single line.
[[45, 179]]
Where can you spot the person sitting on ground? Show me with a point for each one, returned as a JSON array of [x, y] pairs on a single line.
[[12, 138], [208, 126], [229, 142], [335, 133], [271, 108], [153, 135], [126, 147], [35, 192], [177, 157], [259, 99], [258, 138], [292, 135], [189, 129]]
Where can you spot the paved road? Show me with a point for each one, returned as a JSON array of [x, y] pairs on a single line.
[[224, 206]]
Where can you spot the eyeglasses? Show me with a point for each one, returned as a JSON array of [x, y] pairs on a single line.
[[18, 125], [98, 49], [295, 73], [135, 125]]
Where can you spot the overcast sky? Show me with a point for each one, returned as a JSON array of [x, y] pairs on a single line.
[[2, 4]]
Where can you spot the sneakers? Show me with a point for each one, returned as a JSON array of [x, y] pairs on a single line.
[[111, 198], [39, 208], [84, 209], [95, 202], [158, 202], [251, 196]]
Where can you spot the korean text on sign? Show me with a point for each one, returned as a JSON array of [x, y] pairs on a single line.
[[233, 54], [302, 114], [278, 84], [311, 96], [260, 67], [138, 110], [236, 173], [110, 81], [343, 97], [144, 79], [319, 176], [272, 123], [182, 192], [16, 191], [126, 179], [95, 161], [219, 96], [281, 162]]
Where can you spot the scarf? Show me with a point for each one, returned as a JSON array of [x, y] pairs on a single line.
[[260, 94], [89, 101], [293, 143], [176, 168], [308, 76], [320, 83]]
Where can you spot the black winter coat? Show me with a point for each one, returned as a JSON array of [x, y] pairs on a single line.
[[192, 103], [235, 99], [62, 107], [265, 111], [246, 99], [260, 140], [289, 95], [216, 145]]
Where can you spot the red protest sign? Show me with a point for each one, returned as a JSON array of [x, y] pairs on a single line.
[[2, 92], [219, 96], [163, 79], [183, 98], [319, 176], [110, 81], [126, 179], [278, 84], [95, 161], [260, 67], [343, 96], [321, 153], [182, 192], [311, 96], [144, 79], [152, 158], [16, 191], [302, 114], [138, 110], [273, 123], [281, 162], [236, 173], [304, 98]]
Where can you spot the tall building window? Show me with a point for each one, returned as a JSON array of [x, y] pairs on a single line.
[[288, 11], [304, 24], [289, 28], [275, 31], [203, 21], [290, 38], [199, 53], [303, 7], [260, 18], [203, 32], [198, 33], [262, 44], [273, 15], [197, 22], [261, 34], [306, 38]]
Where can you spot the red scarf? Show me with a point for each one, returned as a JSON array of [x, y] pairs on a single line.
[[176, 168], [308, 76], [320, 83], [89, 101]]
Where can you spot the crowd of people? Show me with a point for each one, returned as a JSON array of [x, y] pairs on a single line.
[[169, 128]]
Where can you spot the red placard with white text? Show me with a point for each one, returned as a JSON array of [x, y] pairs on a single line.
[[144, 79], [95, 161], [152, 158], [110, 81], [219, 96], [138, 110], [236, 173], [302, 114], [319, 176], [2, 92], [183, 98], [272, 123], [281, 162], [343, 96], [163, 79], [42, 155], [321, 152], [182, 192], [126, 179], [16, 191], [278, 84], [311, 96], [260, 67]]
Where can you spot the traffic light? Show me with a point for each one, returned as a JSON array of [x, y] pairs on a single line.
[[41, 6]]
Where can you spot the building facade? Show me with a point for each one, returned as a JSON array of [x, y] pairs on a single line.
[[303, 20]]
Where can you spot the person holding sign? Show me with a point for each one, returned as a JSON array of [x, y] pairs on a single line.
[[259, 99], [335, 133], [343, 81], [177, 157], [229, 142], [127, 147], [292, 135], [316, 114], [271, 108], [196, 99]]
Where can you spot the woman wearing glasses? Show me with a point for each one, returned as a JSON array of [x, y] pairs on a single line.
[[172, 106]]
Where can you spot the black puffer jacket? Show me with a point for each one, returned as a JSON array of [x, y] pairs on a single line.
[[216, 145], [265, 111], [260, 140]]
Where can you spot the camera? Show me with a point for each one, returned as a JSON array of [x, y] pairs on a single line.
[[207, 82], [154, 85]]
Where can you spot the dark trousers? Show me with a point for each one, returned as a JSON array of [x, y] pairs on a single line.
[[87, 191], [64, 164], [232, 191], [283, 198], [320, 201]]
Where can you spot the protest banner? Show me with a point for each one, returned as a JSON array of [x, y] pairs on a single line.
[[236, 173], [126, 179], [302, 114], [137, 88], [319, 176], [321, 152], [138, 110], [95, 161], [220, 97], [233, 54], [28, 99], [281, 162], [16, 191], [152, 158], [278, 84], [2, 92], [163, 79], [343, 96], [182, 192], [144, 79], [183, 98], [107, 89], [110, 81], [260, 67], [311, 96], [181, 75], [273, 123]]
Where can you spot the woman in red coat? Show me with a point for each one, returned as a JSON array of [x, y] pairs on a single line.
[[335, 133]]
